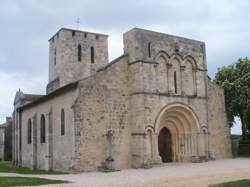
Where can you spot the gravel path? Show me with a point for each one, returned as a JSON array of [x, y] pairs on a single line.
[[172, 175]]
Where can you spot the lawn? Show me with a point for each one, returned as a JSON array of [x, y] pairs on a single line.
[[240, 183], [6, 167], [26, 181]]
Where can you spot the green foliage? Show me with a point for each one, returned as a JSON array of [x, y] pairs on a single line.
[[235, 79], [240, 183], [6, 167], [235, 137], [27, 181], [246, 118], [244, 142]]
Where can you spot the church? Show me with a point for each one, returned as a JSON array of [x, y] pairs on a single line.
[[152, 105]]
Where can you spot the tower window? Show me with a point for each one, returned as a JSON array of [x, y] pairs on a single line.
[[92, 53], [73, 33], [62, 122], [42, 129], [85, 35], [55, 56], [29, 131], [175, 82], [79, 53], [149, 49], [97, 37]]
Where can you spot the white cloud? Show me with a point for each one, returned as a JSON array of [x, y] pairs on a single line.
[[26, 26], [11, 82]]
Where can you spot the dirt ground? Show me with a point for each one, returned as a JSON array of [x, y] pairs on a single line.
[[168, 175]]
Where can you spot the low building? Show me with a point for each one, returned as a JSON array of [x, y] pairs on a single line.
[[6, 140]]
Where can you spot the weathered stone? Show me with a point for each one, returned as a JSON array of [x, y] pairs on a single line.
[[159, 85]]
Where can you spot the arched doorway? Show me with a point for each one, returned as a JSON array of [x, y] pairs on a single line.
[[165, 145], [179, 136]]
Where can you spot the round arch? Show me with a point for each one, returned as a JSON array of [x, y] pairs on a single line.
[[182, 132], [181, 107], [162, 54]]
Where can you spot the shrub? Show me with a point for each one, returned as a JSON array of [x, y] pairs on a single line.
[[244, 142]]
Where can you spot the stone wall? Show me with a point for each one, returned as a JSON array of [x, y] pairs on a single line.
[[218, 127], [154, 58], [103, 106], [57, 152], [2, 136], [116, 107]]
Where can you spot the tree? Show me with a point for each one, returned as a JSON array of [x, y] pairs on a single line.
[[235, 79], [246, 117]]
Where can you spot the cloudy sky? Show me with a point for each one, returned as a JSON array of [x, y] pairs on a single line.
[[26, 26]]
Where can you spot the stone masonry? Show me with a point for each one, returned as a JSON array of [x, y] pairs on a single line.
[[153, 104]]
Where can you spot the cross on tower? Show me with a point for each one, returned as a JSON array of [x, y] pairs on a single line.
[[78, 22]]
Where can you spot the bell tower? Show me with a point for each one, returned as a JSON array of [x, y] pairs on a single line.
[[74, 55]]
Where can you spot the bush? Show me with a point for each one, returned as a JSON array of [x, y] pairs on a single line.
[[244, 142]]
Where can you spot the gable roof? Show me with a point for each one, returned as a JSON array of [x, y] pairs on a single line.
[[49, 96]]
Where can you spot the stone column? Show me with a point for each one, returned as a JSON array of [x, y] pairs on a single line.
[[50, 141], [34, 127], [156, 156], [20, 139], [48, 130], [109, 160]]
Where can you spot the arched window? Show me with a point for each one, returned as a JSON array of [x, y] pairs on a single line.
[[62, 122], [149, 49], [55, 56], [92, 53], [79, 53], [42, 129], [175, 82], [29, 132]]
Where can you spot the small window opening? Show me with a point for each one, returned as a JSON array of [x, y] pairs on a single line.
[[79, 53], [42, 129], [92, 53], [29, 131], [175, 82], [97, 37], [62, 122], [85, 35], [149, 49], [73, 33], [55, 56]]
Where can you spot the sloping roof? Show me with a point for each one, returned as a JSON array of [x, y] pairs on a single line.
[[111, 63], [32, 97], [51, 95], [4, 125]]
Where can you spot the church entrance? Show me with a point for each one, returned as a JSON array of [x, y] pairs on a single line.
[[179, 137], [165, 145]]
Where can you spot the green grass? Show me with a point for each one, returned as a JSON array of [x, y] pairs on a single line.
[[240, 183], [6, 167], [26, 181]]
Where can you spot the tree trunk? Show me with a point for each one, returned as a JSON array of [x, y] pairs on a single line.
[[243, 126]]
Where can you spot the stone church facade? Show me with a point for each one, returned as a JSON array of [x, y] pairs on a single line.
[[153, 104]]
